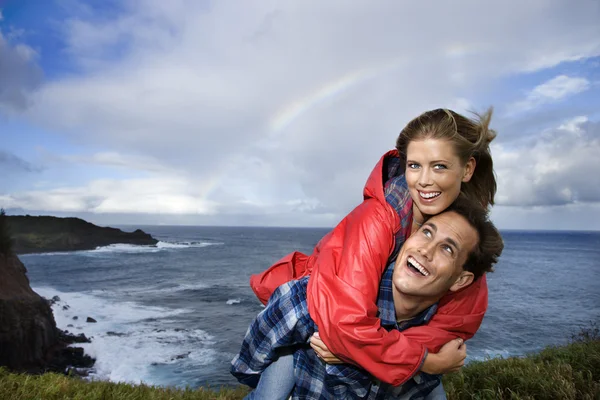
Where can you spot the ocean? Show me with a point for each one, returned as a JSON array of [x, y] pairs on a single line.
[[175, 314]]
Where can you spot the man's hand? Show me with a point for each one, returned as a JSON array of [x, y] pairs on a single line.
[[450, 358], [322, 351]]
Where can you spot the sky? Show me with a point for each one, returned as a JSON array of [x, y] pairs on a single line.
[[271, 113]]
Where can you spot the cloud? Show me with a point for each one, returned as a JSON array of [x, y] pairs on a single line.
[[556, 89], [263, 108], [125, 162], [159, 190], [19, 75], [152, 195], [555, 168], [14, 171], [10, 162]]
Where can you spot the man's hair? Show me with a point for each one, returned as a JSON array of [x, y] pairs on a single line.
[[489, 246]]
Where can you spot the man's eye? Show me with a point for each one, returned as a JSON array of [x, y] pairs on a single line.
[[426, 232], [448, 249]]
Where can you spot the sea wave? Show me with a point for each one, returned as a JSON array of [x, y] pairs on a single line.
[[132, 248], [128, 339], [160, 246]]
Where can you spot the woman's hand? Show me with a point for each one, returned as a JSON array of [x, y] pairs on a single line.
[[322, 351], [450, 358]]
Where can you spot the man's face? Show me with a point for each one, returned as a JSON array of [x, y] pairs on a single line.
[[431, 260]]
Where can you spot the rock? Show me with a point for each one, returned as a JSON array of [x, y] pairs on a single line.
[[75, 318], [29, 339], [45, 233], [181, 356], [90, 319], [118, 334], [27, 329], [70, 357]]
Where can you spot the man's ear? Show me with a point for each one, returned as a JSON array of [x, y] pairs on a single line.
[[464, 279]]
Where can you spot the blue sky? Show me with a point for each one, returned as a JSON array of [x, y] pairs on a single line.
[[270, 113]]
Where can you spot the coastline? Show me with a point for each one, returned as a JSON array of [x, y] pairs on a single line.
[[570, 371]]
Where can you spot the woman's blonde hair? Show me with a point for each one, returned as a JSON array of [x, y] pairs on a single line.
[[470, 138]]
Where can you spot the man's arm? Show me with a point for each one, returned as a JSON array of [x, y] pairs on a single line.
[[342, 300], [450, 358]]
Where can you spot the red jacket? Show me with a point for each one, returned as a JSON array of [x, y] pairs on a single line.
[[346, 267]]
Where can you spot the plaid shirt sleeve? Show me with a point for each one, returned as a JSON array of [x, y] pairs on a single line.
[[284, 322]]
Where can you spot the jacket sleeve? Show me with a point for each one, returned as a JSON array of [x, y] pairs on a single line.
[[458, 315], [342, 299], [292, 266]]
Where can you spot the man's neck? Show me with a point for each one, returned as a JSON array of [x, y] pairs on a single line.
[[408, 306]]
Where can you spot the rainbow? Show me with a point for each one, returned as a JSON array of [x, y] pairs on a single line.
[[292, 111], [285, 116]]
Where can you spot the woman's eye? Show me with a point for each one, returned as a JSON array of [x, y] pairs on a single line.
[[448, 249], [413, 165], [427, 232], [440, 166]]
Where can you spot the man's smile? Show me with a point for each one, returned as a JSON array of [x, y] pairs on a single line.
[[416, 266]]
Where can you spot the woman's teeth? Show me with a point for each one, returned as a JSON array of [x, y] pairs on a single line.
[[429, 195]]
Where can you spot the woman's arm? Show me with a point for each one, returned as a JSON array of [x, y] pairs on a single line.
[[342, 297], [450, 358]]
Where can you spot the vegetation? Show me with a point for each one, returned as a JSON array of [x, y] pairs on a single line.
[[5, 237], [566, 372], [51, 386]]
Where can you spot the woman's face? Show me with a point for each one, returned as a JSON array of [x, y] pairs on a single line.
[[434, 174]]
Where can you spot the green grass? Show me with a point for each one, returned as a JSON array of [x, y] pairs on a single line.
[[52, 386], [566, 372]]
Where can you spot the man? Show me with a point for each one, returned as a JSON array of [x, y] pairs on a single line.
[[449, 252]]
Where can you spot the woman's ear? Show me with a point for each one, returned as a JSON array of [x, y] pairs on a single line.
[[469, 169]]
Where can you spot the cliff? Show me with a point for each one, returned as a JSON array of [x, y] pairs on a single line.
[[45, 234], [27, 329], [29, 339]]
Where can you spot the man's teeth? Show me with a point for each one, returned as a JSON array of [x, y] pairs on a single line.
[[415, 264], [429, 195]]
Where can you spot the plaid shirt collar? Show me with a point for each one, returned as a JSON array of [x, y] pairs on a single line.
[[387, 311]]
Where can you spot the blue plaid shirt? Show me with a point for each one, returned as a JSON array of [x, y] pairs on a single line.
[[285, 321]]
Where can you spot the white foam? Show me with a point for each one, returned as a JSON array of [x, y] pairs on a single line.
[[185, 245], [158, 290], [56, 253], [486, 354], [129, 338], [125, 248], [133, 248], [233, 301]]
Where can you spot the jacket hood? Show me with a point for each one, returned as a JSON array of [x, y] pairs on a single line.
[[383, 171]]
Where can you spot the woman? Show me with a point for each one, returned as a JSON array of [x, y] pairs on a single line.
[[439, 155]]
